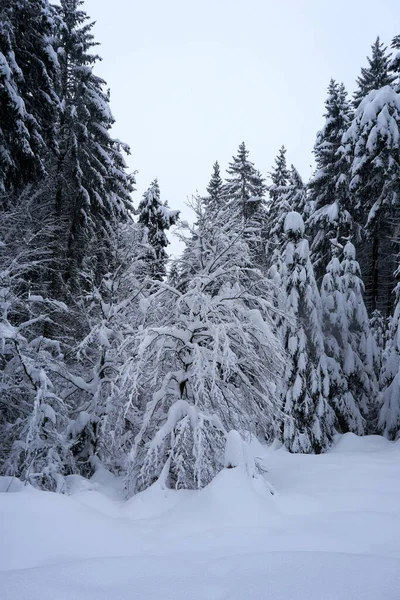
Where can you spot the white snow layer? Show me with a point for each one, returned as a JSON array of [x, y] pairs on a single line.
[[331, 531], [294, 222]]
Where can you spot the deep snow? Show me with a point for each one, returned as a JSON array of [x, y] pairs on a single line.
[[330, 531]]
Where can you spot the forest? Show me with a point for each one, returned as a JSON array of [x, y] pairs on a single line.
[[279, 321]]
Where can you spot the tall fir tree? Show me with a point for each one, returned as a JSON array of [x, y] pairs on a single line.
[[331, 218], [279, 174], [244, 191], [29, 104], [376, 75], [157, 218], [286, 198], [372, 145], [308, 426], [215, 191], [395, 63], [92, 191], [349, 344], [363, 355], [389, 413], [245, 187]]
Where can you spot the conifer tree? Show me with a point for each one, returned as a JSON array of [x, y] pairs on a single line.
[[245, 188], [377, 75], [279, 174], [362, 355], [29, 104], [389, 413], [309, 421], [92, 192], [157, 218], [291, 197], [215, 190], [372, 145], [349, 344], [244, 191], [395, 63], [331, 218]]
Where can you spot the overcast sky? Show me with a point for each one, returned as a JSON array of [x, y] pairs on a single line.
[[191, 80]]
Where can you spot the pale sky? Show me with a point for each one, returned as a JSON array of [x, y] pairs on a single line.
[[191, 80]]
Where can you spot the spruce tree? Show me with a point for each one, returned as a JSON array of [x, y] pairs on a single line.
[[308, 426], [244, 191], [287, 198], [349, 344], [389, 413], [372, 145], [245, 187], [29, 104], [376, 75], [92, 190], [215, 191], [361, 357], [395, 63], [331, 218], [279, 174], [157, 218]]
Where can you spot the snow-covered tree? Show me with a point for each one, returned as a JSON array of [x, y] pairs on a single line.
[[100, 426], [28, 101], [389, 414], [377, 75], [309, 421], [279, 174], [215, 192], [349, 344], [245, 187], [395, 62], [33, 412], [92, 188], [156, 218], [291, 197], [331, 218], [372, 144], [207, 362]]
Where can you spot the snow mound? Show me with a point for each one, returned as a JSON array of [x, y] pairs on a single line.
[[232, 497], [349, 442]]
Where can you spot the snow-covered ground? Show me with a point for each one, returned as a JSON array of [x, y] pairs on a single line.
[[330, 531]]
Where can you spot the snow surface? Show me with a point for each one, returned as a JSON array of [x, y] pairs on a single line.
[[331, 531], [293, 222]]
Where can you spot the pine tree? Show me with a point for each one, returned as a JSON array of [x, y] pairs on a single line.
[[157, 218], [291, 197], [331, 219], [389, 414], [372, 145], [215, 190], [29, 104], [395, 63], [244, 192], [362, 354], [309, 421], [245, 188], [277, 206], [92, 190], [349, 344], [377, 75], [279, 173]]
